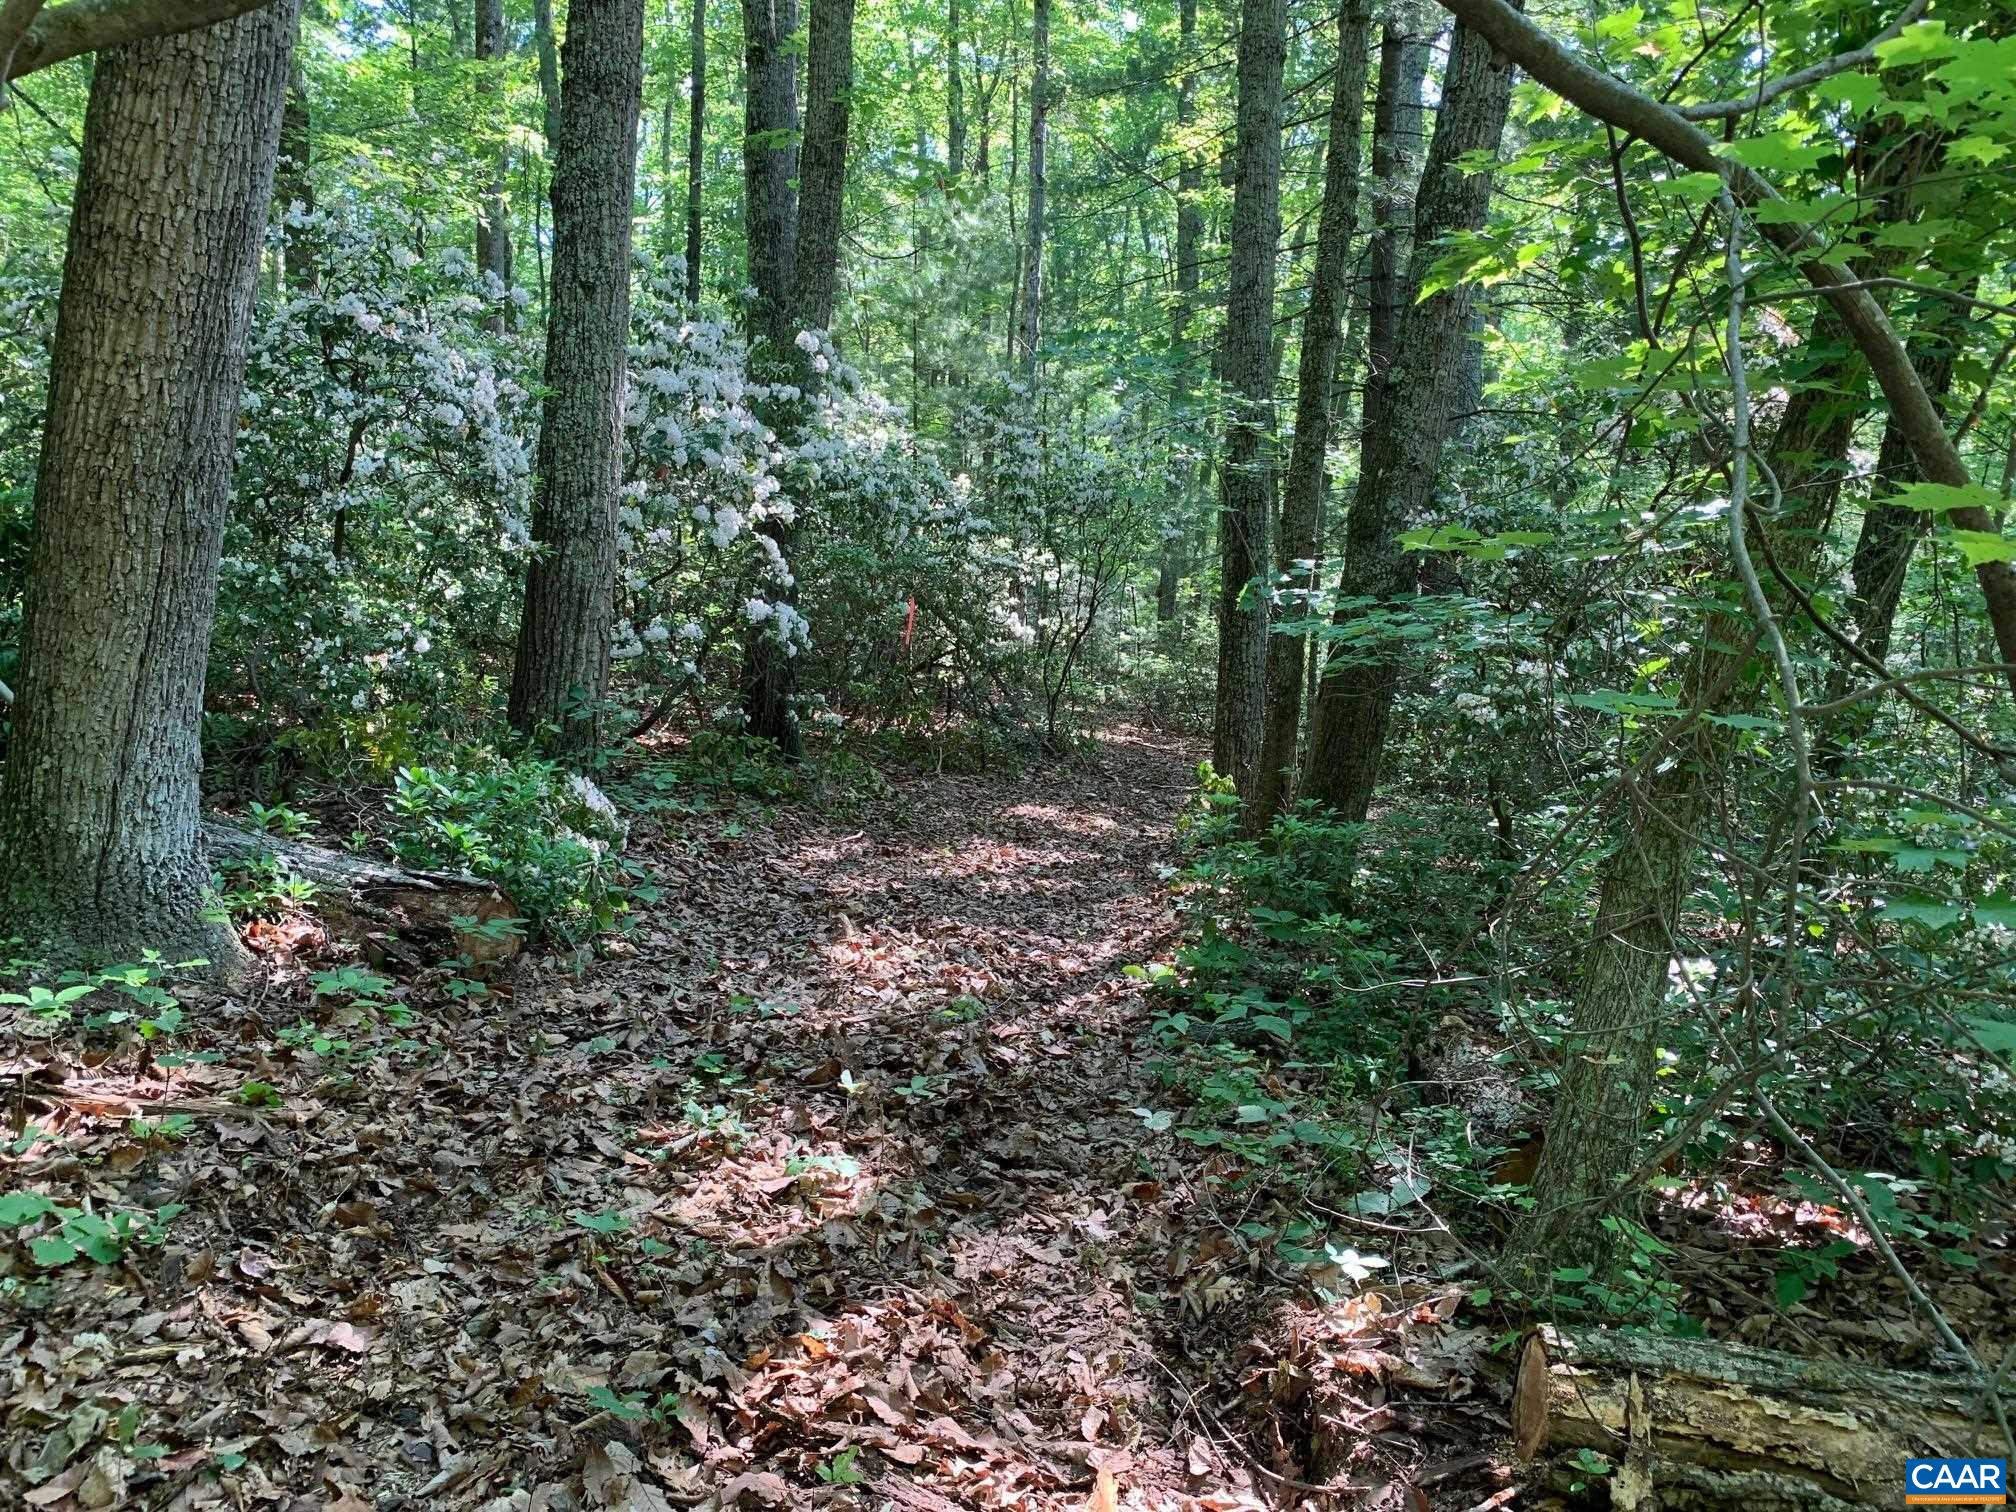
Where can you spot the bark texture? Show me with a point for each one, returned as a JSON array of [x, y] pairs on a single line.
[[1322, 331], [1039, 139], [549, 70], [955, 96], [1189, 233], [793, 206], [59, 32], [1890, 532], [1247, 473], [1702, 1423], [293, 189], [696, 130], [493, 224], [99, 844], [1401, 446], [562, 671]]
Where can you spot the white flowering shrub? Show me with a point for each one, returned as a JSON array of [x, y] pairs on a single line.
[[379, 517]]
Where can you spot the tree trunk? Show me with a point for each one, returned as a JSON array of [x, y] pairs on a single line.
[[1401, 449], [99, 846], [794, 265], [1890, 532], [493, 225], [389, 909], [955, 96], [1697, 1423], [549, 72], [1247, 498], [1178, 522], [293, 189], [1039, 138], [1616, 1008], [560, 680], [822, 171], [696, 128], [1322, 328]]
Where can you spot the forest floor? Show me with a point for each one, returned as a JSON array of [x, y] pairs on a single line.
[[838, 1182]]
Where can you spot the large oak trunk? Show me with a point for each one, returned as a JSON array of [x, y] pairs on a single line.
[[1698, 1423], [99, 848]]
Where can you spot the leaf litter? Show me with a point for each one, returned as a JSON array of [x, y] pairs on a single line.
[[827, 1186]]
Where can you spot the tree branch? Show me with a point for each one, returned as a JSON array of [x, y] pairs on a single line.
[[1916, 416], [1722, 109], [16, 16], [84, 26]]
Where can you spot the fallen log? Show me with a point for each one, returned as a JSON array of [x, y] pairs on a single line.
[[1695, 1423], [387, 908]]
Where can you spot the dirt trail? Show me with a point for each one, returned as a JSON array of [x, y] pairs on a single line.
[[827, 1189]]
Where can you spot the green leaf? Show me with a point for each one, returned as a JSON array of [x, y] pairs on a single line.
[[1790, 1286], [1938, 498], [52, 1251], [602, 1223], [1858, 92], [1917, 909], [1997, 1035], [1919, 42], [1980, 546], [1274, 1024], [17, 1208], [1999, 910], [1695, 188], [1775, 152]]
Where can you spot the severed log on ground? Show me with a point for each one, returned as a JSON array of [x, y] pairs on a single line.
[[1694, 1423], [386, 908]]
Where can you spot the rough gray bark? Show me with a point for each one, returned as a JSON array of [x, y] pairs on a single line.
[[561, 675], [770, 169], [99, 845], [822, 168], [793, 211], [1316, 371], [1401, 447], [1890, 532], [1247, 474], [696, 127], [1912, 409], [493, 224], [1031, 328]]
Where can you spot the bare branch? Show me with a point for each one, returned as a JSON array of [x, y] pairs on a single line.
[[1765, 93]]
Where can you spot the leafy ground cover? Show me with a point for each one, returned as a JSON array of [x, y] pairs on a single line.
[[864, 1170]]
